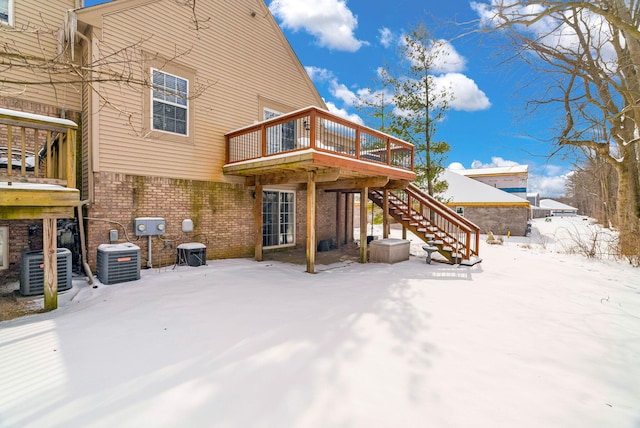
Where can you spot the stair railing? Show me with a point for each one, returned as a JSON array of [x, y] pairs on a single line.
[[454, 230]]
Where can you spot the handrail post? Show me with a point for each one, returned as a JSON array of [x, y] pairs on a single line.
[[228, 152], [312, 131], [48, 168], [9, 150], [263, 138], [71, 159], [23, 151]]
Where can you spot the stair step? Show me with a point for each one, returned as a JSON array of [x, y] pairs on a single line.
[[474, 260]]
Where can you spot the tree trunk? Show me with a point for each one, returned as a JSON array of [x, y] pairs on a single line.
[[629, 207]]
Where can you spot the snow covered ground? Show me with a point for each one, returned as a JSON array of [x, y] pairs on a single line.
[[531, 337]]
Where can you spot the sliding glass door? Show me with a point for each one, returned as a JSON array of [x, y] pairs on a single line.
[[278, 218]]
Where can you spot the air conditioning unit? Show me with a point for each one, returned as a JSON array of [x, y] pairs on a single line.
[[118, 263], [32, 272]]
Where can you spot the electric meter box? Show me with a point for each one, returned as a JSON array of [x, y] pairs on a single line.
[[147, 226]]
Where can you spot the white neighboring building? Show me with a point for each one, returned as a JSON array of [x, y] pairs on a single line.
[[489, 208], [534, 199], [557, 208], [510, 179]]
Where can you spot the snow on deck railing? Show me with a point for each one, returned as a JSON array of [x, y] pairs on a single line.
[[36, 148], [314, 128]]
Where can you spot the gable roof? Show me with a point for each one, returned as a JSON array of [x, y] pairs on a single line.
[[503, 170], [555, 205], [94, 16], [467, 191]]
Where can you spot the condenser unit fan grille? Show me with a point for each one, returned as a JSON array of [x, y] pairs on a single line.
[[118, 263], [32, 272]]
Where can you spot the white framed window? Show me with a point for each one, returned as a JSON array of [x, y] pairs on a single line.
[[4, 248], [170, 104], [460, 211], [6, 12], [278, 218]]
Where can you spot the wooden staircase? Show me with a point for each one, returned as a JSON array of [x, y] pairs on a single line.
[[456, 238]]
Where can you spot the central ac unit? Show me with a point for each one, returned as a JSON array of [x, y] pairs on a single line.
[[118, 263], [32, 272]]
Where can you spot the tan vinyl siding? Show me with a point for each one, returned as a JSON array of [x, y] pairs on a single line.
[[243, 59], [34, 34], [85, 153]]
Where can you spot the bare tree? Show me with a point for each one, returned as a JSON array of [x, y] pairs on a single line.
[[57, 61], [590, 54], [592, 188]]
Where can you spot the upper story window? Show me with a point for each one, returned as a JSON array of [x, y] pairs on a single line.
[[6, 12], [170, 105]]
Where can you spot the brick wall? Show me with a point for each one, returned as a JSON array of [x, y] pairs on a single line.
[[325, 216], [20, 240], [222, 215], [499, 220]]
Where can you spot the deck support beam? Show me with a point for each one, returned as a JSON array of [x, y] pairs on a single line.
[[50, 262], [364, 197], [348, 221], [257, 217], [385, 213], [311, 222], [339, 210]]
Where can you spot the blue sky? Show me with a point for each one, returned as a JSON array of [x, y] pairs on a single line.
[[343, 43]]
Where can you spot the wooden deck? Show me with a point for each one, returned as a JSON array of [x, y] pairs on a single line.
[[37, 166], [319, 151], [341, 154], [38, 180]]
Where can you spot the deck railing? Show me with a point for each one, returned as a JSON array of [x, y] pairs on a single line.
[[314, 128], [450, 224], [37, 149]]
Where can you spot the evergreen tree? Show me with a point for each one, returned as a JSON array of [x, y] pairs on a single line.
[[411, 104]]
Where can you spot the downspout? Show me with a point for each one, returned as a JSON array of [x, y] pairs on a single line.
[[83, 246]]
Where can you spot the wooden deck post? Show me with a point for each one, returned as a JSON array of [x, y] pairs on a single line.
[[364, 195], [385, 213], [338, 218], [257, 220], [50, 262], [311, 222], [348, 220]]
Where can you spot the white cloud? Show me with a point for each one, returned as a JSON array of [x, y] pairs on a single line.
[[443, 55], [466, 94], [496, 162], [548, 179], [318, 74], [547, 185], [448, 60], [344, 113], [337, 89], [386, 37], [455, 166], [331, 22], [340, 91]]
